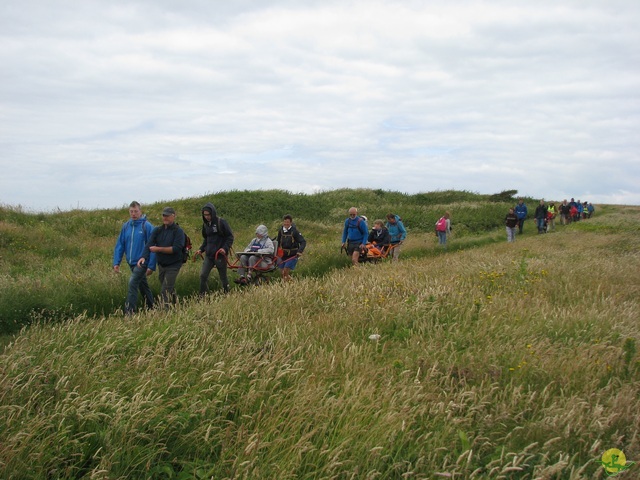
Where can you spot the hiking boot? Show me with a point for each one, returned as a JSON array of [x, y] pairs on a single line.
[[240, 280]]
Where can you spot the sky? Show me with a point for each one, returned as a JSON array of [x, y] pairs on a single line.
[[105, 102]]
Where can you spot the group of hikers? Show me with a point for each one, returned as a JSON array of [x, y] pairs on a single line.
[[545, 215], [147, 248], [384, 239]]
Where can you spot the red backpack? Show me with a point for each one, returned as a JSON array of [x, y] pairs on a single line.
[[441, 225]]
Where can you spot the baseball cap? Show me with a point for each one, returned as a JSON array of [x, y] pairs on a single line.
[[168, 211]]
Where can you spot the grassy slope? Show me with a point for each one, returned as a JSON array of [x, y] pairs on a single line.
[[514, 360], [57, 265]]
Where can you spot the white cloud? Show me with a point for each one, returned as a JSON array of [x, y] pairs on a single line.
[[105, 102]]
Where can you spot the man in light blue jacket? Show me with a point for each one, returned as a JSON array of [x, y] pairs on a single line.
[[354, 234], [398, 233], [133, 236]]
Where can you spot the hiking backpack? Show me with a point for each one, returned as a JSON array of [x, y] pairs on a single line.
[[441, 225], [186, 250]]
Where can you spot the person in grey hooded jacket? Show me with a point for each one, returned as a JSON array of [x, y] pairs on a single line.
[[258, 253], [217, 241]]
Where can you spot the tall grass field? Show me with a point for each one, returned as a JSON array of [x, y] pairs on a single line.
[[481, 360]]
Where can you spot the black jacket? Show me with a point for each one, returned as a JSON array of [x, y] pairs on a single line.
[[541, 212], [216, 234], [291, 242], [381, 237], [171, 236], [511, 220]]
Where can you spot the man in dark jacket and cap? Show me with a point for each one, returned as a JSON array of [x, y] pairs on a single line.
[[217, 240], [167, 242]]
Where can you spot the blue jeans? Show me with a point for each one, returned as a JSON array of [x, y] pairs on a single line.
[[442, 237], [289, 263], [540, 222], [138, 281]]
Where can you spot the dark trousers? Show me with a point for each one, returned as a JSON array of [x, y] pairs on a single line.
[[167, 276], [207, 266]]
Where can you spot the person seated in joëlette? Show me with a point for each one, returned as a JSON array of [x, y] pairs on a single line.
[[379, 238], [257, 254]]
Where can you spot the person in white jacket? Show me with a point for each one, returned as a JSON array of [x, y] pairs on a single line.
[[257, 254]]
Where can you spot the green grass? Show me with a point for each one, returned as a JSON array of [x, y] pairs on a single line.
[[493, 360], [57, 265]]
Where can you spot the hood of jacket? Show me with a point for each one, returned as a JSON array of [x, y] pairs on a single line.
[[211, 209], [262, 231], [139, 221]]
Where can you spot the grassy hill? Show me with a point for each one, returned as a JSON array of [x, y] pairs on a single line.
[[58, 265], [488, 360]]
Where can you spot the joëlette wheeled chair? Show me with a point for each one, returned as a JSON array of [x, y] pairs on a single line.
[[372, 253], [260, 271]]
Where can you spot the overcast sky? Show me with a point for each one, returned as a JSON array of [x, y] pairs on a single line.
[[103, 102]]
